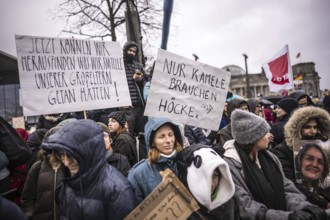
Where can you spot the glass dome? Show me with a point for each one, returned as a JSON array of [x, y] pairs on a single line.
[[234, 70]]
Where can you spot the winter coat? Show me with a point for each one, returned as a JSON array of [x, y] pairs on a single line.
[[278, 130], [248, 207], [292, 129], [124, 144], [222, 136], [144, 177], [98, 190], [135, 87], [38, 197], [195, 135], [285, 155], [9, 210], [119, 161]]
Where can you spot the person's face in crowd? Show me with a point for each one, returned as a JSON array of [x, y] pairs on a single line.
[[107, 140], [302, 102], [70, 163], [131, 52], [280, 113], [113, 125], [244, 107], [310, 129], [164, 139], [312, 164], [257, 110], [215, 180], [262, 144]]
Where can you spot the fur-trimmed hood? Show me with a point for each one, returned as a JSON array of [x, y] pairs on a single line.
[[300, 117]]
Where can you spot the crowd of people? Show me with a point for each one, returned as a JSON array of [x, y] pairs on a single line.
[[264, 162]]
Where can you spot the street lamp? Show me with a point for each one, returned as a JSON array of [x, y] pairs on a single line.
[[247, 77], [195, 56]]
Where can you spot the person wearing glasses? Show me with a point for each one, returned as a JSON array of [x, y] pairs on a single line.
[[312, 167]]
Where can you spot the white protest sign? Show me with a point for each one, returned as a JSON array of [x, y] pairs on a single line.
[[65, 75], [187, 91], [18, 122]]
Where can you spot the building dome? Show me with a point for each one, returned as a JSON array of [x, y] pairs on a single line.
[[234, 70]]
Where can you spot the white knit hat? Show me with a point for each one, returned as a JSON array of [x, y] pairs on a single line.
[[247, 127]]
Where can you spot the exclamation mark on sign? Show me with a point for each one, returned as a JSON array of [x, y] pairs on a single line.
[[116, 90]]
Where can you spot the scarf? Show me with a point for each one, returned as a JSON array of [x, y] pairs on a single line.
[[265, 184], [167, 161]]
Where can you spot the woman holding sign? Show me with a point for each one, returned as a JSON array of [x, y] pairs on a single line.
[[163, 140]]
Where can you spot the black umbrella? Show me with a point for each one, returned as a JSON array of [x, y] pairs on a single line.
[[274, 99], [266, 102]]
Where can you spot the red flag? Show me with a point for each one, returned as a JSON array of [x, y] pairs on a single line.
[[278, 71]]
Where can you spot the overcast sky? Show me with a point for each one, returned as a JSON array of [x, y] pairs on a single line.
[[218, 31]]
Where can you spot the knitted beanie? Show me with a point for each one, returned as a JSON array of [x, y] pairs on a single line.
[[288, 104], [247, 128], [118, 116]]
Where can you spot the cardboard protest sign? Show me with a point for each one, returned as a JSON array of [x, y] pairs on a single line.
[[187, 91], [170, 200], [65, 75]]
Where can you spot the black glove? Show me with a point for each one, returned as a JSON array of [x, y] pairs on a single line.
[[300, 215], [317, 212]]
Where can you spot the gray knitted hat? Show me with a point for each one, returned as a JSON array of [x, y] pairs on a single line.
[[247, 127]]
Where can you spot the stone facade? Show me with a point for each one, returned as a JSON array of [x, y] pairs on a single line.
[[259, 81]]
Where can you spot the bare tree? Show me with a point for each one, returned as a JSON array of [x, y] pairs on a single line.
[[106, 18]]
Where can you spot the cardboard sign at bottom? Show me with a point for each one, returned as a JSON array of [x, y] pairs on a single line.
[[170, 200]]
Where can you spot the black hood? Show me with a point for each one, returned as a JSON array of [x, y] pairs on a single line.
[[82, 140]]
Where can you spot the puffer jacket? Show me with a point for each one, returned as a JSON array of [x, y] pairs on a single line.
[[292, 132], [98, 190], [38, 197], [248, 207], [135, 87]]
